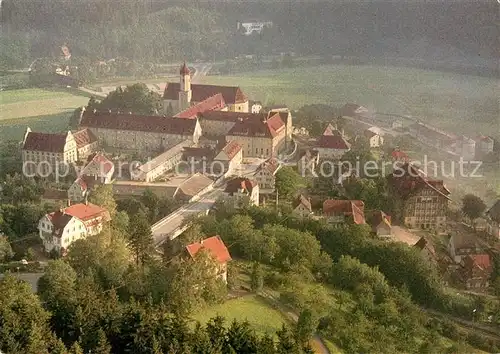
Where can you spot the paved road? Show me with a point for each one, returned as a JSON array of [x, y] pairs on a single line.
[[168, 225]]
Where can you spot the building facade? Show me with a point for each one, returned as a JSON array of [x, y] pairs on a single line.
[[180, 96], [425, 201], [43, 153], [140, 133], [265, 175], [242, 191], [59, 229], [302, 207], [217, 250]]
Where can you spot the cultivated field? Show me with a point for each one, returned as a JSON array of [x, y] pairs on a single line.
[[44, 110], [260, 315], [461, 103]]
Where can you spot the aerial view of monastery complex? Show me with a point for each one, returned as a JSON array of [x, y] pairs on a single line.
[[240, 183]]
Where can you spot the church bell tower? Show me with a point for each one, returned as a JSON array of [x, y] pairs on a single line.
[[185, 88]]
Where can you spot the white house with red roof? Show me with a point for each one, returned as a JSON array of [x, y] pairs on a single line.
[[99, 170], [242, 189], [180, 96], [217, 249], [302, 207], [229, 158], [332, 144], [86, 143], [61, 228]]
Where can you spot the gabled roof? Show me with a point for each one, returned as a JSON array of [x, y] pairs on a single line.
[[463, 240], [239, 183], [378, 217], [184, 69], [354, 208], [214, 245], [329, 130], [267, 127], [199, 152], [46, 142], [494, 212], [301, 200], [87, 211], [81, 182], [214, 102], [231, 94], [84, 137], [408, 179], [369, 134], [59, 221], [271, 165], [485, 138], [481, 261], [334, 141], [133, 122], [231, 149], [193, 185], [99, 161]]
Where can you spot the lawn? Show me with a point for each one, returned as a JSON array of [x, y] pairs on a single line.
[[262, 317], [461, 103], [44, 110]]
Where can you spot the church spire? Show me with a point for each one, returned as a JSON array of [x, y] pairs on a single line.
[[184, 69]]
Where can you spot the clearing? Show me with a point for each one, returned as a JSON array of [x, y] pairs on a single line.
[[45, 110], [461, 103], [263, 318]]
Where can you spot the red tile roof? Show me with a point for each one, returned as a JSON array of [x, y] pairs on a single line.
[[481, 260], [103, 164], [269, 128], [271, 165], [214, 102], [231, 149], [238, 183], [214, 245], [351, 208], [333, 142], [399, 155], [86, 212], [369, 134], [200, 93], [329, 130], [120, 121], [377, 217], [84, 137], [81, 182], [46, 142], [226, 116]]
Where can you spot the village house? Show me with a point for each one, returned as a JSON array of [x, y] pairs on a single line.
[[307, 163], [302, 207], [259, 136], [265, 175], [166, 161], [286, 116], [59, 229], [484, 145], [99, 169], [242, 190], [461, 245], [476, 271], [217, 249], [180, 96], [374, 139], [42, 153], [86, 143], [131, 132], [493, 220], [228, 159], [426, 249], [380, 223], [425, 201], [344, 211], [332, 145]]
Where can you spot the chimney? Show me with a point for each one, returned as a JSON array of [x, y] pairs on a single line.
[[69, 202]]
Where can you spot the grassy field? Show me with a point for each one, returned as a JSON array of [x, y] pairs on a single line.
[[44, 110], [461, 103], [262, 317]]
